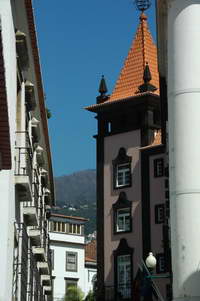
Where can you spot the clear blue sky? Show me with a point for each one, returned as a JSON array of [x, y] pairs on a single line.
[[78, 42]]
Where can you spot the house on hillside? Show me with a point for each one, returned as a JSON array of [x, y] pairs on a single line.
[[73, 262], [26, 178], [132, 176]]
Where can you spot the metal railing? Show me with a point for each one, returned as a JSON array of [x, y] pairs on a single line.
[[49, 259], [24, 167], [35, 289], [23, 162], [24, 155], [20, 269], [26, 277]]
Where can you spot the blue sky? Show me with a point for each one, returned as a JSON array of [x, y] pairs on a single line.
[[78, 42]]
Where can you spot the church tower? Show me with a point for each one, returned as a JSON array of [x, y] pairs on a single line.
[[129, 149]]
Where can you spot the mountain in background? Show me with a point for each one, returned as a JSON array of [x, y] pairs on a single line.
[[76, 196]]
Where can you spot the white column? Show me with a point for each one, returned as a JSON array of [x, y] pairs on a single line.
[[184, 145]]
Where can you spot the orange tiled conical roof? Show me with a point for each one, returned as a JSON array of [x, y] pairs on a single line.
[[143, 50]]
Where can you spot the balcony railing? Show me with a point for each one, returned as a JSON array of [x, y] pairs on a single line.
[[49, 259], [24, 155], [119, 292], [27, 284], [20, 270], [35, 290]]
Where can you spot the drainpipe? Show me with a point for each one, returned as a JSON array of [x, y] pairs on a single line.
[[184, 145]]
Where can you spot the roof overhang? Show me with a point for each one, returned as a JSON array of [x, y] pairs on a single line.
[[34, 46], [143, 98]]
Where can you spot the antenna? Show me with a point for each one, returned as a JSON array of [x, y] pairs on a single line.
[[142, 5]]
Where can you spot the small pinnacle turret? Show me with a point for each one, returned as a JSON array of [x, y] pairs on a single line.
[[102, 87], [147, 73], [102, 90], [146, 86]]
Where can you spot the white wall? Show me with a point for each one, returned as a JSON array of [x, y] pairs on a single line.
[[59, 271], [7, 202], [67, 238], [90, 272]]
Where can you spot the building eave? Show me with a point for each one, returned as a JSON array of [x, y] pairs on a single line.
[[34, 45], [109, 104]]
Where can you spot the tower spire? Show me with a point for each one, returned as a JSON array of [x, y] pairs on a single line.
[[135, 72]]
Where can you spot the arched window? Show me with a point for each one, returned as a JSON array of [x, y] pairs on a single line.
[[122, 214], [123, 270], [122, 170]]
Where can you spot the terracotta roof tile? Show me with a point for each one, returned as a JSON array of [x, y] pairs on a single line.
[[91, 251], [142, 50]]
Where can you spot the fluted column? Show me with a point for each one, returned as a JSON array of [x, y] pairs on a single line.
[[184, 145]]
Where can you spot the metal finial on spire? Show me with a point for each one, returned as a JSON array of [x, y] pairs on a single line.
[[102, 87], [143, 5]]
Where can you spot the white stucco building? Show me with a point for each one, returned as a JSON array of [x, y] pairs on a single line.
[[70, 265], [26, 178]]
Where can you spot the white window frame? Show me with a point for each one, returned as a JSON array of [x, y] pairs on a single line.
[[121, 171], [124, 271], [76, 229], [123, 214], [75, 254]]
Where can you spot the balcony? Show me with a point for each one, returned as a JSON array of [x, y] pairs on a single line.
[[30, 212], [27, 282], [40, 251], [46, 280], [47, 290], [23, 167], [31, 208], [22, 49], [35, 286], [45, 266], [20, 267], [34, 234], [30, 96]]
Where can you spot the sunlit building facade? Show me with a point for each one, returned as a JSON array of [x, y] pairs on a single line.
[[132, 178], [26, 179]]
